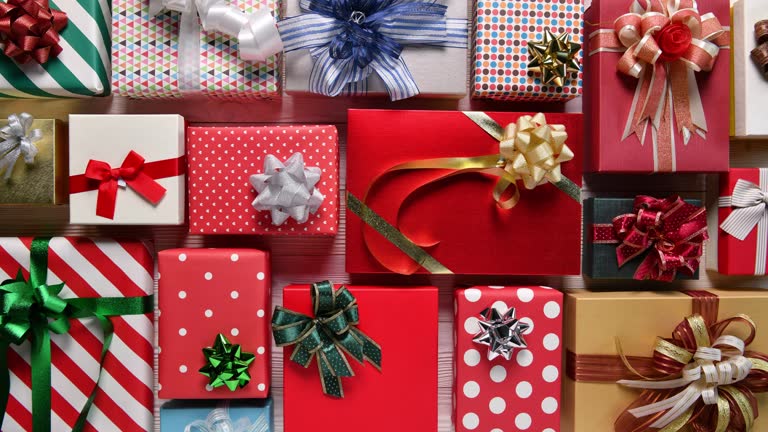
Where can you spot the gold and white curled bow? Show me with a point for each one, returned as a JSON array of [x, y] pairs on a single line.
[[750, 206], [17, 139], [218, 420]]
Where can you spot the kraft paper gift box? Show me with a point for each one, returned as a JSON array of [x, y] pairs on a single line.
[[598, 323], [614, 99], [253, 415], [223, 198], [604, 242], [204, 293], [405, 382], [86, 273], [750, 86], [32, 174], [476, 234], [437, 71], [127, 169], [524, 389], [81, 67], [503, 33], [163, 54]]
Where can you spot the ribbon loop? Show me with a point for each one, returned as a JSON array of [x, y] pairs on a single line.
[[750, 207], [219, 420]]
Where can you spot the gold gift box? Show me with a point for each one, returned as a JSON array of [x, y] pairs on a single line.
[[594, 321], [43, 182]]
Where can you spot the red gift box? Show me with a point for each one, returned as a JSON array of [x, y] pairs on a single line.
[[88, 268], [476, 236], [222, 159], [524, 391], [402, 396], [609, 95], [745, 256], [204, 292]]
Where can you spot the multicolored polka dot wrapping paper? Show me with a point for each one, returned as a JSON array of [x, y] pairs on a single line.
[[520, 394], [503, 29], [221, 160], [145, 57]]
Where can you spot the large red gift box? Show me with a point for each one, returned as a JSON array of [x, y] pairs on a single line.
[[222, 159], [204, 292], [524, 391], [747, 255], [476, 236], [88, 268], [609, 95], [402, 396]]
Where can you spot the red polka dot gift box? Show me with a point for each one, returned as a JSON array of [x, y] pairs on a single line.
[[527, 50], [269, 180], [213, 324], [507, 359]]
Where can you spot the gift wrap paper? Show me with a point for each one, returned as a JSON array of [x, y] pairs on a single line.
[[42, 182], [525, 390], [145, 56], [82, 68], [593, 321], [501, 56], [221, 160], [749, 86], [204, 292], [176, 415], [89, 268]]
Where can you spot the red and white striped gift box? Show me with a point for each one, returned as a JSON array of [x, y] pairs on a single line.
[[89, 268]]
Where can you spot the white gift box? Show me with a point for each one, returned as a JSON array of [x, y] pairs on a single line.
[[109, 139], [749, 86]]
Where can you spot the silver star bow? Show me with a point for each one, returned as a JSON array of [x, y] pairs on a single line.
[[287, 190], [502, 333], [17, 140]]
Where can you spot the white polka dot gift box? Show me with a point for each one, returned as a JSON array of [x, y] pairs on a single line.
[[674, 360], [507, 359], [213, 324], [269, 180], [127, 170]]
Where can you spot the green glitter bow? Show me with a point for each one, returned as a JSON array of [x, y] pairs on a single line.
[[329, 335], [226, 364], [554, 57]]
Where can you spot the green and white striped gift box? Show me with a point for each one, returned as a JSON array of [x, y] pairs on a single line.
[[83, 67]]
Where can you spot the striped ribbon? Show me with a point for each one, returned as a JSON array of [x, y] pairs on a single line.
[[394, 25], [82, 68], [749, 202]]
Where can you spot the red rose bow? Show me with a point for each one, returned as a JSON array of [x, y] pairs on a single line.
[[673, 230], [29, 30], [132, 173]]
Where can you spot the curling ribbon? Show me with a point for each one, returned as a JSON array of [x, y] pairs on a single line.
[[18, 140], [665, 42], [30, 309], [219, 420], [670, 230], [134, 172], [256, 33], [351, 39], [530, 150], [749, 203], [29, 30], [327, 336], [760, 53]]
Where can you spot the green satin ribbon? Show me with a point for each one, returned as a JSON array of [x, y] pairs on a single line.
[[329, 335], [226, 364], [30, 309]]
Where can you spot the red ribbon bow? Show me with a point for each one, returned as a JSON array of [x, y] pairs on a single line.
[[673, 230], [29, 29], [132, 172]]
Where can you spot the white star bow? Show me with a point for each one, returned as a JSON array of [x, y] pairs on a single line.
[[18, 140]]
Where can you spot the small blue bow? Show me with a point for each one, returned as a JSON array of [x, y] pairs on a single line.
[[351, 39]]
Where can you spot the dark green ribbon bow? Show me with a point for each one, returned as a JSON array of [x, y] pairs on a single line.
[[30, 309], [331, 333], [226, 364]]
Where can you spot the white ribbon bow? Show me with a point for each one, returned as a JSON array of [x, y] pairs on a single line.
[[18, 141], [218, 420], [287, 190], [721, 364], [750, 203]]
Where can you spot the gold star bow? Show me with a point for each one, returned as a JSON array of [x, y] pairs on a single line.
[[554, 57]]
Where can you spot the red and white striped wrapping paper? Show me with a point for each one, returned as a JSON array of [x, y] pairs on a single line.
[[89, 268]]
